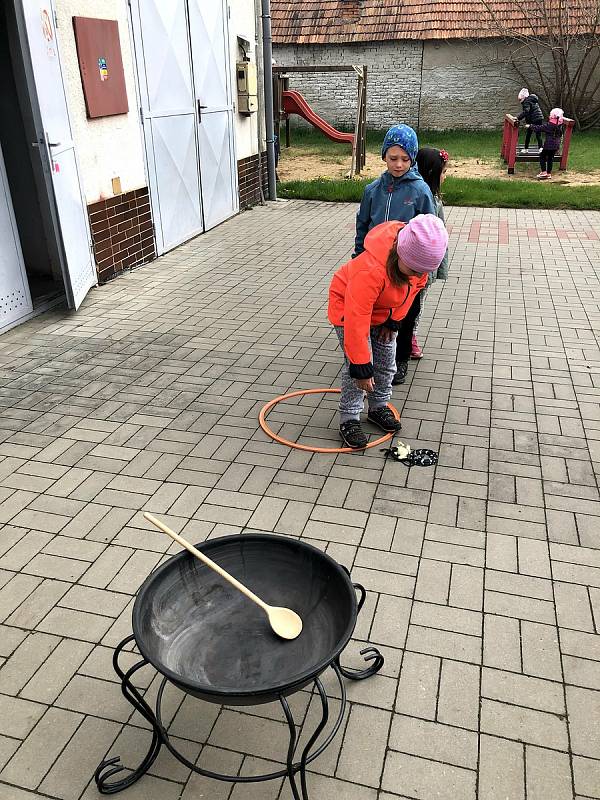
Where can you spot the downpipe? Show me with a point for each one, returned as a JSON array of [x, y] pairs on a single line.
[[267, 43]]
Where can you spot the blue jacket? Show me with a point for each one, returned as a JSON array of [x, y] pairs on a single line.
[[389, 198]]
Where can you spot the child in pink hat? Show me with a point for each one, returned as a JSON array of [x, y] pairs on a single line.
[[369, 297], [554, 130]]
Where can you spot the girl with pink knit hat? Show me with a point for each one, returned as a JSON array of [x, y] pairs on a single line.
[[369, 297], [554, 131]]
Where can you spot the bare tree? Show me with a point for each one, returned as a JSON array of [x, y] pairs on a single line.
[[554, 46]]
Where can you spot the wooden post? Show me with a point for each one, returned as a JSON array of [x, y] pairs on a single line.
[[569, 125], [364, 119], [355, 163], [285, 86]]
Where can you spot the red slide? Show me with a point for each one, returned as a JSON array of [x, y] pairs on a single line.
[[294, 103]]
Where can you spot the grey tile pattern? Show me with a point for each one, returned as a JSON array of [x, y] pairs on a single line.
[[483, 573]]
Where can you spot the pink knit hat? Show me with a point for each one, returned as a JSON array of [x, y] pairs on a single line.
[[422, 243], [557, 115], [523, 94]]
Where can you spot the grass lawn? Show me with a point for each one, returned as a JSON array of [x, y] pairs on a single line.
[[462, 192], [484, 145]]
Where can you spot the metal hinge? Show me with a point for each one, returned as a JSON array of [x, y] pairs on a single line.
[[141, 116], [55, 18]]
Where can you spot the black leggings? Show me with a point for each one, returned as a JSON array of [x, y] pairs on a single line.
[[405, 332], [546, 160], [538, 136]]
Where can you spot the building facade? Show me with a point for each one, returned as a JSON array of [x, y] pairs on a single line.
[[122, 134]]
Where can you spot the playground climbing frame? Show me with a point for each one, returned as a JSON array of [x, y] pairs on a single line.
[[287, 101]]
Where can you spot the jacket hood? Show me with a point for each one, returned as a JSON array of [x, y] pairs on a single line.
[[380, 240], [413, 174], [533, 98]]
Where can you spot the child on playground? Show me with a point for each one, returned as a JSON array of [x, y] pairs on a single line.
[[368, 299], [532, 114], [432, 164], [554, 131], [399, 193]]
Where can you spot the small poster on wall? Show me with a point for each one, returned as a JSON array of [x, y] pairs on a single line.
[[101, 66]]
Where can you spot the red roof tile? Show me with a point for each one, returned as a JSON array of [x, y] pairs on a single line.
[[343, 21]]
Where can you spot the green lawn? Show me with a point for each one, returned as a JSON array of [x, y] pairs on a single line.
[[485, 145], [462, 192]]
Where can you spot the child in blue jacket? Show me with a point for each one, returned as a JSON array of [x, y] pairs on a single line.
[[400, 193]]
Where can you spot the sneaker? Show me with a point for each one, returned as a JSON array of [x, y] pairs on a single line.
[[415, 350], [353, 435], [540, 150], [400, 376], [384, 419], [541, 176]]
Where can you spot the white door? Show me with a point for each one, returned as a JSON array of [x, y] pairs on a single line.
[[212, 81], [58, 150], [169, 112], [15, 300]]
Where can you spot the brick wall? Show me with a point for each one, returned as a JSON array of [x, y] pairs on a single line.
[[122, 233], [467, 85], [393, 75], [249, 188], [435, 85]]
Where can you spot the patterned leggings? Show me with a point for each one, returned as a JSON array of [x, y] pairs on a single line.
[[352, 399]]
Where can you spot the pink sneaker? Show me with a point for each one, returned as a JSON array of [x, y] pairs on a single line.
[[542, 176], [415, 351]]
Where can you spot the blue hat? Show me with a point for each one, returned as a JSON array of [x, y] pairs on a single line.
[[403, 136]]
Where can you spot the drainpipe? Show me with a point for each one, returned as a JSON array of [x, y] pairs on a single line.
[[268, 90]]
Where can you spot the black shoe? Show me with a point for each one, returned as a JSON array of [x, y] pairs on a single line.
[[384, 419], [353, 435], [400, 376]]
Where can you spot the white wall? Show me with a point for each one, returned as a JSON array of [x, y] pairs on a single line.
[[242, 22], [109, 146]]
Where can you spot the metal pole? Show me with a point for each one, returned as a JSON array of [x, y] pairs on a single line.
[[268, 87]]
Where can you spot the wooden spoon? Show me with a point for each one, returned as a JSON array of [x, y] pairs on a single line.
[[284, 622]]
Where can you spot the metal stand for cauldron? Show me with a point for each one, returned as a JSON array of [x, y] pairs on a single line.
[[112, 766]]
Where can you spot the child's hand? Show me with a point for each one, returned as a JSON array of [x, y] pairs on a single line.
[[366, 384]]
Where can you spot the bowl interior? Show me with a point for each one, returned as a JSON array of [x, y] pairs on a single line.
[[198, 630]]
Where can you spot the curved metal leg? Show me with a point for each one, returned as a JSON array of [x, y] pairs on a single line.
[[314, 737], [112, 766], [370, 653], [291, 747]]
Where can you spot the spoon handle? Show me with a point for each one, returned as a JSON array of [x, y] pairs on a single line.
[[206, 560]]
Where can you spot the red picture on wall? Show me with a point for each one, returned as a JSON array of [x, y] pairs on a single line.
[[101, 66]]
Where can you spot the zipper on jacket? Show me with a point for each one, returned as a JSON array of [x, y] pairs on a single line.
[[389, 202]]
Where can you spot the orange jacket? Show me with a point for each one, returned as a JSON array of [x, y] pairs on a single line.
[[362, 296]]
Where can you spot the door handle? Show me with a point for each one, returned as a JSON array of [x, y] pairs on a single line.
[[200, 107], [53, 144]]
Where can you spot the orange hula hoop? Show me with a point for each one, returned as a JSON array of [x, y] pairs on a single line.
[[295, 445]]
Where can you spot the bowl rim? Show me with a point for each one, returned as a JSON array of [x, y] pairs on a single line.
[[228, 694]]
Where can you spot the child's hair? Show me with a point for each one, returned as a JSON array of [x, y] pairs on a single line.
[[391, 267], [432, 163]]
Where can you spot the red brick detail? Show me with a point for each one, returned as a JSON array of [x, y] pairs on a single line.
[[122, 233], [249, 182], [503, 232], [474, 232]]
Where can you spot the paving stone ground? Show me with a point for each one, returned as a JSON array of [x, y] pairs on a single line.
[[483, 573]]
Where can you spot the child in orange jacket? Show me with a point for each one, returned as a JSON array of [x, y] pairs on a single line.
[[368, 298]]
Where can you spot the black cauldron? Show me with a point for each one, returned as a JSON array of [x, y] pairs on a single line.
[[213, 642]]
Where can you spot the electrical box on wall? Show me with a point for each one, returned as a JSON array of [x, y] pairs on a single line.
[[247, 87]]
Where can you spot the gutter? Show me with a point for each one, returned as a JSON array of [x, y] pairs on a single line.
[[268, 94]]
